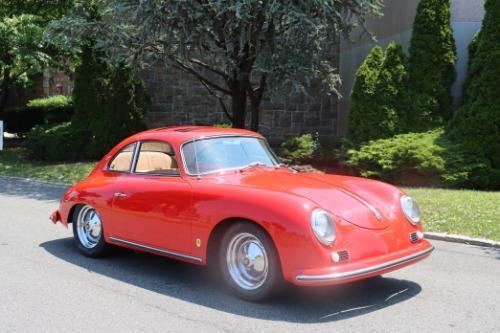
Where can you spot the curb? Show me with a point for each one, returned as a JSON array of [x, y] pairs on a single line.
[[462, 239]]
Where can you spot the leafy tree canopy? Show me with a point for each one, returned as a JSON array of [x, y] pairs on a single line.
[[46, 9], [237, 48], [21, 52]]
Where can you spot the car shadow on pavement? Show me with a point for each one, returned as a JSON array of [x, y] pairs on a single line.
[[195, 284], [31, 189], [492, 251]]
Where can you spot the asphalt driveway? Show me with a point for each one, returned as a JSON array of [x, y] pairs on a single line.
[[47, 286]]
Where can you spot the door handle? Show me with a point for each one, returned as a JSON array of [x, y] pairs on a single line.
[[120, 195]]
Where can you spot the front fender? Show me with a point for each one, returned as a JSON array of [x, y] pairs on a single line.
[[285, 217]]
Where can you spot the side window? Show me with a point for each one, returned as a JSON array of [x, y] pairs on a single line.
[[156, 157], [122, 161]]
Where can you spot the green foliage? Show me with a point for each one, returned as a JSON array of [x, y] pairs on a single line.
[[378, 95], [470, 74], [40, 111], [477, 124], [120, 113], [21, 52], [56, 101], [222, 125], [109, 105], [56, 109], [427, 158], [280, 43], [300, 148], [431, 65], [57, 143], [48, 10]]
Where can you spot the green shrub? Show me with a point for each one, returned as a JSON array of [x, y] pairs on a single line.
[[57, 142], [40, 111], [109, 105], [299, 148], [378, 95], [427, 158], [477, 123], [431, 65], [56, 109], [363, 95], [121, 112], [222, 125]]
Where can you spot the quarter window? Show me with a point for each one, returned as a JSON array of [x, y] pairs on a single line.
[[122, 161], [156, 157]]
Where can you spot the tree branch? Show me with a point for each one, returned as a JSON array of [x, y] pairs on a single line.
[[202, 79], [220, 99], [208, 67]]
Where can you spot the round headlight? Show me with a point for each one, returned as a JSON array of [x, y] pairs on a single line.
[[323, 227], [410, 209]]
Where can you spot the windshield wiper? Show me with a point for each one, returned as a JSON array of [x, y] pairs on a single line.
[[252, 165]]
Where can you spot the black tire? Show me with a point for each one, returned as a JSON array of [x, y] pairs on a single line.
[[100, 248], [273, 282]]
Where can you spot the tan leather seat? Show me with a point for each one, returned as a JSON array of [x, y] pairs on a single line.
[[150, 161], [121, 161]]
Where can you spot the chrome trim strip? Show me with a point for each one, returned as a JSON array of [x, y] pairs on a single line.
[[374, 210], [155, 249], [134, 157], [363, 271]]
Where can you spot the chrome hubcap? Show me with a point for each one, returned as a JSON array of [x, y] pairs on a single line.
[[247, 261], [88, 226]]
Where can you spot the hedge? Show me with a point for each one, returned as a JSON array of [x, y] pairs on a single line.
[[420, 159], [41, 111]]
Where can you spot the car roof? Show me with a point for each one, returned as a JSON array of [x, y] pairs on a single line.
[[176, 135]]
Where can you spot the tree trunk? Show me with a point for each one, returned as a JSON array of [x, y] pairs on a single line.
[[238, 105], [4, 93], [255, 112]]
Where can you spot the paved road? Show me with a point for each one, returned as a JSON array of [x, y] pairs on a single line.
[[46, 286]]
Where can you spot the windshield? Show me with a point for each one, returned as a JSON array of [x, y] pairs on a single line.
[[221, 153]]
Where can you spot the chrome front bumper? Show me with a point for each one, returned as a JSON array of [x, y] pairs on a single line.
[[371, 270]]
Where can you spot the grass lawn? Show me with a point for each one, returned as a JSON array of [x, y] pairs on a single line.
[[463, 212], [13, 162], [470, 213]]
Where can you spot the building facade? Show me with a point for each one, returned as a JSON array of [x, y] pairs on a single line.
[[179, 99]]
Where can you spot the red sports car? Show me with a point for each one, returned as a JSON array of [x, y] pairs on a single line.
[[221, 197]]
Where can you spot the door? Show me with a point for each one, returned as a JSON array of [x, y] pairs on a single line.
[[152, 206]]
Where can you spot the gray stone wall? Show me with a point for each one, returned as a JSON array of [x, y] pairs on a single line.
[[179, 99]]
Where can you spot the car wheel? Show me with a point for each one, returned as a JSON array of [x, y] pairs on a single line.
[[88, 231], [249, 262]]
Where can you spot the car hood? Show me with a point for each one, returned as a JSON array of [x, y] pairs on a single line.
[[365, 203]]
